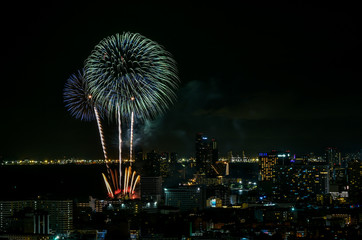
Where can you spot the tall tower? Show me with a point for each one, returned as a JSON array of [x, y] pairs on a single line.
[[266, 166], [214, 151], [206, 154], [332, 156], [201, 152]]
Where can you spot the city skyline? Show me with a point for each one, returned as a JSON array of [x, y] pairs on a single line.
[[253, 77]]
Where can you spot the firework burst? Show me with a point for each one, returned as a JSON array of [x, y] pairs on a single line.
[[77, 99], [122, 188], [133, 71]]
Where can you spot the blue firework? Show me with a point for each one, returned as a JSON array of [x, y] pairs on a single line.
[[77, 98]]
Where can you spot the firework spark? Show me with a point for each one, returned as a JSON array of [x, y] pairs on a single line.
[[100, 129], [77, 98], [131, 139], [125, 189], [119, 142], [133, 71], [130, 75]]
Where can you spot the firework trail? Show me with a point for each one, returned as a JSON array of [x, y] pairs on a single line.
[[101, 134], [131, 139], [109, 189], [80, 103], [120, 145], [131, 75], [130, 181]]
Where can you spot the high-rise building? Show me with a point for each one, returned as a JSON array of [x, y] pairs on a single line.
[[28, 221], [138, 154], [164, 164], [267, 162], [153, 164], [185, 198], [60, 212], [332, 156], [214, 150], [157, 164], [354, 172], [202, 152], [206, 154], [151, 188], [300, 181]]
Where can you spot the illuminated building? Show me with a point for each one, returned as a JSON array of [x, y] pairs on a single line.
[[202, 152], [214, 150], [60, 213], [355, 180], [266, 166], [284, 158], [332, 156], [185, 198], [164, 164], [214, 202], [206, 154], [158, 164], [300, 181], [220, 192]]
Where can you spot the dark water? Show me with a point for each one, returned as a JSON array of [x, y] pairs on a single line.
[[73, 181], [52, 181]]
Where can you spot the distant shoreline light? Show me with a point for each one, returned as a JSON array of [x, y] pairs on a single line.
[[58, 162]]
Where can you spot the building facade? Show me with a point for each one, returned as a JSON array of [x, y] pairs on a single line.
[[206, 154], [185, 198], [60, 214]]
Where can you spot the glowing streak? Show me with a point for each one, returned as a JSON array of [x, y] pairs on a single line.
[[134, 185], [120, 145], [101, 134], [134, 172], [116, 177], [124, 182], [131, 141], [127, 181], [215, 169], [114, 184], [108, 187]]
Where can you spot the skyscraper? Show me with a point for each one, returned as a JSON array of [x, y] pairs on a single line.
[[267, 162], [354, 180], [151, 188], [332, 156], [206, 154], [214, 151]]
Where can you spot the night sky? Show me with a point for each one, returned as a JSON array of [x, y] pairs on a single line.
[[255, 77]]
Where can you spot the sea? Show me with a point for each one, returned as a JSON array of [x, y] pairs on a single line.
[[73, 181], [23, 182]]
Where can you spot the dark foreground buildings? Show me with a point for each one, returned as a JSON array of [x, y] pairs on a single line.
[[277, 196]]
